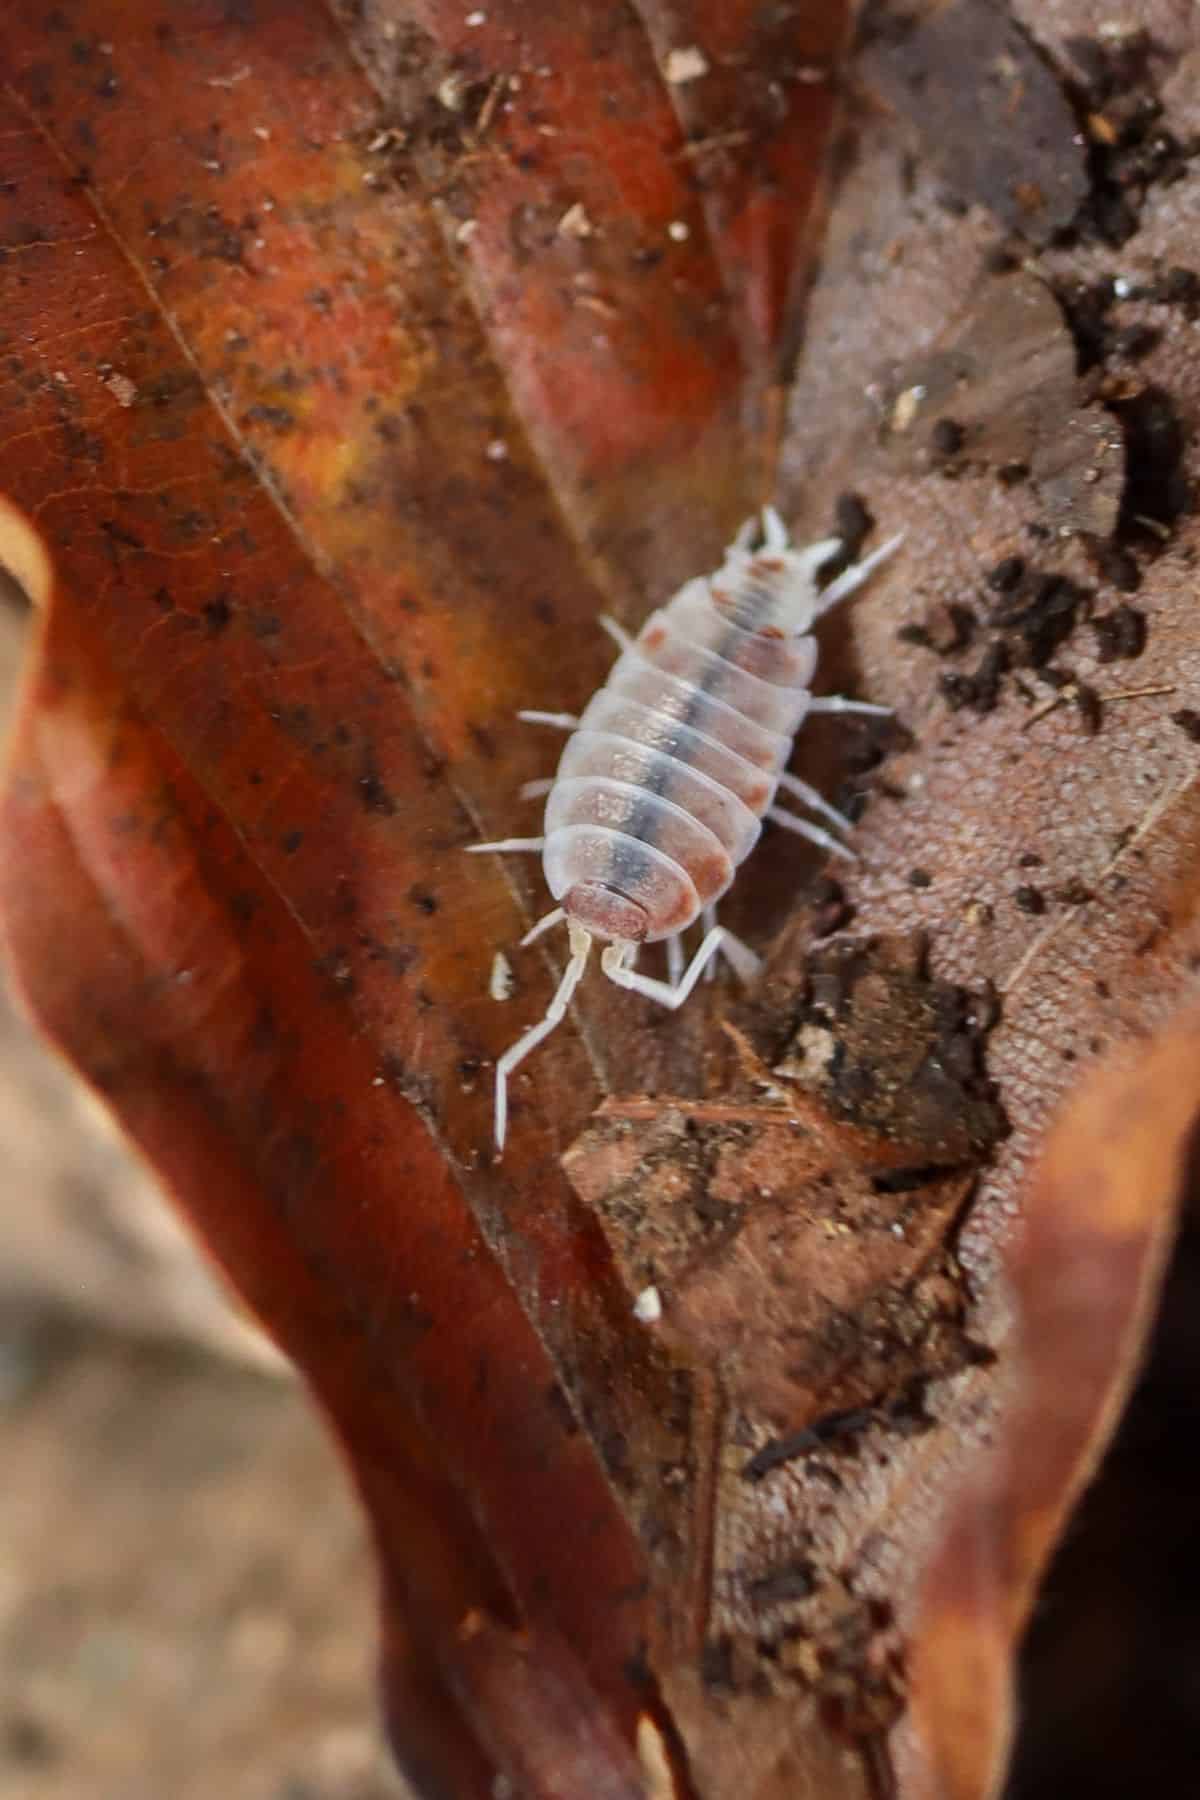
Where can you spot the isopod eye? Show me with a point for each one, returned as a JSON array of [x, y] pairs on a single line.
[[606, 912]]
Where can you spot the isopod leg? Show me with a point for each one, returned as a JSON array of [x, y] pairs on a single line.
[[855, 575], [813, 833], [676, 959], [741, 958], [810, 797], [709, 917], [537, 843], [581, 944], [544, 924], [837, 703], [537, 790], [673, 994], [618, 633], [561, 721]]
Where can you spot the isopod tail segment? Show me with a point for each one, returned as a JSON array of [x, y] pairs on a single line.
[[668, 774]]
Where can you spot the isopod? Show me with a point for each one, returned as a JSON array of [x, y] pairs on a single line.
[[668, 774]]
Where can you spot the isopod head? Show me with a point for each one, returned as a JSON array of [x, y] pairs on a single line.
[[605, 912]]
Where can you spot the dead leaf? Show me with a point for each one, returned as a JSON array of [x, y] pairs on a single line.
[[325, 441], [1085, 1273], [991, 113]]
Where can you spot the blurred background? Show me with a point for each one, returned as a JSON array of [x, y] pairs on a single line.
[[186, 1592]]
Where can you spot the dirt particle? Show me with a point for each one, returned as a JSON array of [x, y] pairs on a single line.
[[1089, 706], [277, 417], [981, 691], [945, 629], [1006, 575], [893, 1050], [853, 523], [946, 437], [832, 910], [1178, 287], [1000, 260], [1135, 341], [1030, 900], [794, 1581], [1119, 634], [1012, 474], [957, 689], [217, 615], [716, 1665], [1118, 567], [1188, 721], [1157, 491]]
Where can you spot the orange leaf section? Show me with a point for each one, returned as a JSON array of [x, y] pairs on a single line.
[[1085, 1274], [156, 953]]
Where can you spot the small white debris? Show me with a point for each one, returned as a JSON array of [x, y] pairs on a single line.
[[679, 231], [647, 1308], [908, 405], [263, 132], [500, 986], [452, 92], [121, 388], [687, 63], [475, 19], [466, 231], [1122, 287], [575, 222], [497, 451], [229, 81]]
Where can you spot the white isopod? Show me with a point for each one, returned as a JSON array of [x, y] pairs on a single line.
[[668, 774]]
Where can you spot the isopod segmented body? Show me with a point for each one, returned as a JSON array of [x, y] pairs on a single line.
[[666, 778]]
